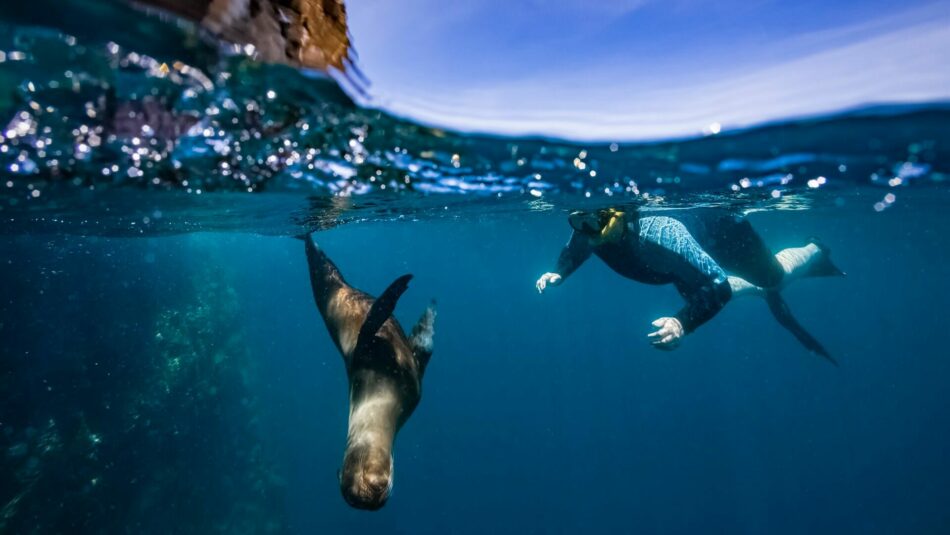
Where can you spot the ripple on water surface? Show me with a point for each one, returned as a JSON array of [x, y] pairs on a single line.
[[98, 136]]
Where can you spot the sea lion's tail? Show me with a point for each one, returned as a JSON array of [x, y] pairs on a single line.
[[784, 316]]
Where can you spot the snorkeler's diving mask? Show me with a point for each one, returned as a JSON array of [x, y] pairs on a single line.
[[603, 225]]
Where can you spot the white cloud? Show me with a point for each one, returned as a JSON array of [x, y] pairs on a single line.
[[871, 63]]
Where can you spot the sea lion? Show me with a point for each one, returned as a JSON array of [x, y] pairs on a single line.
[[384, 369]]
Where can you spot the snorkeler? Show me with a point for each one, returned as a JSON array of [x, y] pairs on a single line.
[[693, 251]]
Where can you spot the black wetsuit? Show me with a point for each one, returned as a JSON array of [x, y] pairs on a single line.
[[691, 250]]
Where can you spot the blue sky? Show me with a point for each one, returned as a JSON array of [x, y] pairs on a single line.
[[645, 69]]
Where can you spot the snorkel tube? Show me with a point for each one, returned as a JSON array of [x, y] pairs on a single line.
[[601, 226]]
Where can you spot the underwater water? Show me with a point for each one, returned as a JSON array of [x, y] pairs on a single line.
[[164, 369]]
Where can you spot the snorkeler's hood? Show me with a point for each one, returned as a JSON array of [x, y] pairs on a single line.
[[600, 225], [585, 222]]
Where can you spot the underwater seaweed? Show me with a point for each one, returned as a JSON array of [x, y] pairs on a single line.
[[161, 404]]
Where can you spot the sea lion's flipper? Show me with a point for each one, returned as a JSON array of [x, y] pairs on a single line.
[[784, 316], [421, 338], [324, 275], [382, 309]]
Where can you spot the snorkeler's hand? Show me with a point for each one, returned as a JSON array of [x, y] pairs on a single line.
[[669, 333], [548, 278]]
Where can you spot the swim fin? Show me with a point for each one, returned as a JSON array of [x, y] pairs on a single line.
[[784, 316], [823, 266], [382, 309]]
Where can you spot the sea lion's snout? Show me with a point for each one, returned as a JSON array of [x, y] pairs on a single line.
[[366, 480], [369, 491]]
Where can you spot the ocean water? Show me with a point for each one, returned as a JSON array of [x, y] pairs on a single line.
[[164, 369]]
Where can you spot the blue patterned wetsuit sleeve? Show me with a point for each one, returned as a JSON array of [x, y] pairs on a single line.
[[575, 253], [699, 279]]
